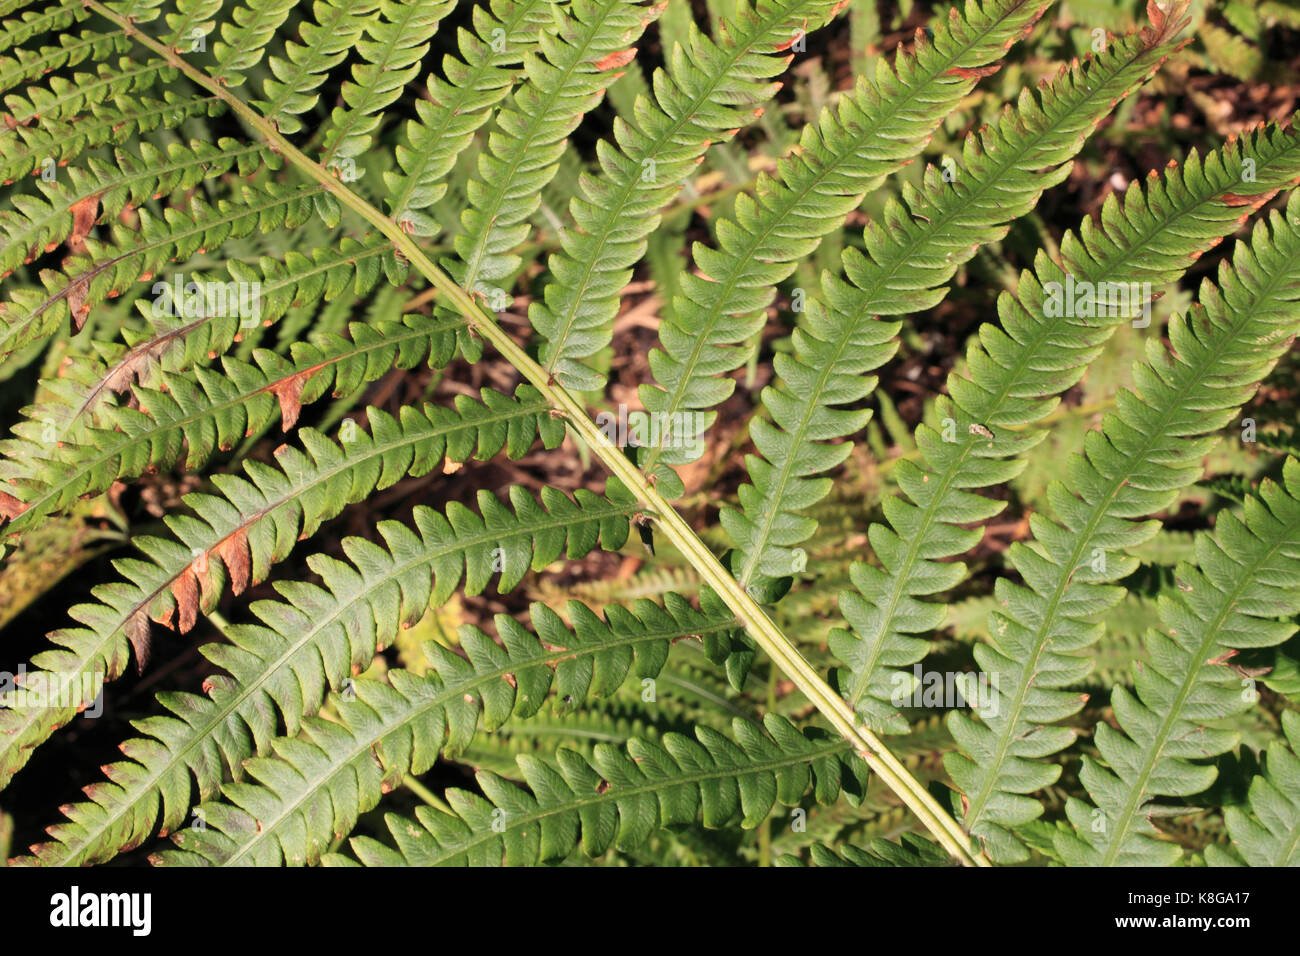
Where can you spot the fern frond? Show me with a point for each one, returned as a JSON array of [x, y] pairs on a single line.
[[1266, 832], [24, 149], [297, 283], [505, 33], [254, 523], [58, 456], [291, 91], [397, 41], [531, 132], [843, 156], [907, 265], [309, 643], [705, 93], [25, 65], [1247, 578], [245, 34], [1145, 454], [1016, 374], [113, 80], [35, 225], [54, 18], [911, 850], [65, 98], [620, 797], [613, 724], [109, 268]]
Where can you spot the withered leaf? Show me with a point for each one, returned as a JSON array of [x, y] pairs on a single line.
[[134, 366], [78, 292], [84, 215], [186, 591], [139, 633], [974, 72], [1257, 200], [234, 554], [612, 61], [289, 393], [11, 507]]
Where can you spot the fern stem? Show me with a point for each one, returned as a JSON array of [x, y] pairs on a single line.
[[881, 761], [425, 794]]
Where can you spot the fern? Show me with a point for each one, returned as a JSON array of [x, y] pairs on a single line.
[[709, 92], [469, 229], [910, 851], [34, 225], [618, 798], [108, 270], [196, 414], [1246, 578], [1151, 237], [253, 523], [531, 131], [392, 53], [1267, 831], [1002, 177], [1147, 451], [307, 645], [843, 157]]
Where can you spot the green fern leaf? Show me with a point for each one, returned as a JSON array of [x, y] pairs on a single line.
[[532, 130], [1004, 171], [57, 455], [619, 797], [1016, 373], [1267, 831], [36, 225], [391, 57], [26, 149], [252, 524], [911, 850], [1248, 577], [1146, 453], [326, 43], [110, 268], [705, 94], [308, 644], [504, 34], [846, 154]]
